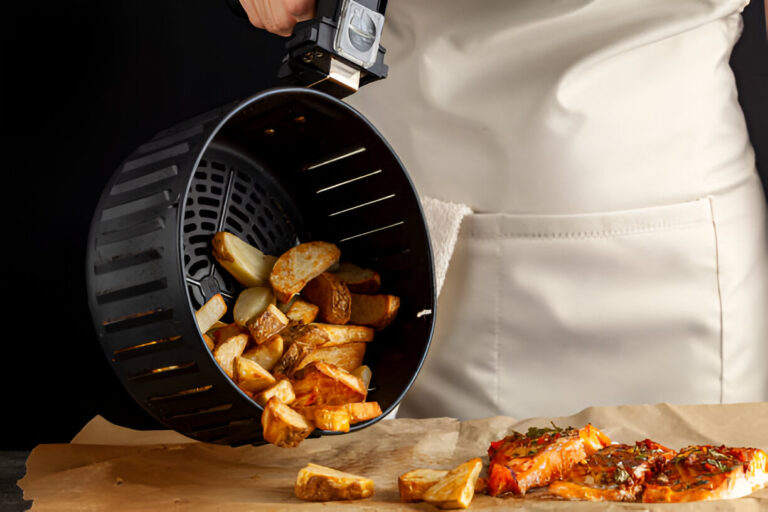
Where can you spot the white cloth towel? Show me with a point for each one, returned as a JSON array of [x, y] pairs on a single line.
[[444, 220]]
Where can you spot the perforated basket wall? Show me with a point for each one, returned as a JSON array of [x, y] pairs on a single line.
[[283, 167]]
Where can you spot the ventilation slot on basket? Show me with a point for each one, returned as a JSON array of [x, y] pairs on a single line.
[[183, 393], [335, 159], [121, 235], [165, 372], [383, 228], [131, 291], [123, 262], [199, 412], [144, 349], [144, 180], [153, 158], [368, 203], [347, 182], [137, 320]]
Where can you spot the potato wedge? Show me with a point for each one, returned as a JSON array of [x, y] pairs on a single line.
[[358, 279], [210, 313], [282, 426], [341, 334], [456, 489], [251, 303], [282, 390], [301, 311], [333, 417], [331, 295], [267, 354], [227, 331], [363, 411], [267, 324], [377, 311], [332, 385], [363, 373], [319, 483], [251, 377], [209, 342], [226, 352], [246, 263], [300, 264], [289, 361], [347, 357], [413, 484], [356, 412]]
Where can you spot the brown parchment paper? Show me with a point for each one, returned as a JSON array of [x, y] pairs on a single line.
[[114, 469]]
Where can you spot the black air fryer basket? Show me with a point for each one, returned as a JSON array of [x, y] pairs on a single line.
[[288, 165]]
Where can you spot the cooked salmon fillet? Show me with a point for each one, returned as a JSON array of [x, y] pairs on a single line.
[[534, 459], [615, 473], [706, 472]]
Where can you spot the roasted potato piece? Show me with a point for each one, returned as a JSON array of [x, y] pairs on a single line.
[[377, 311], [333, 417], [283, 391], [456, 489], [301, 311], [413, 484], [358, 279], [227, 331], [291, 358], [247, 264], [267, 324], [210, 313], [209, 342], [356, 412], [363, 411], [319, 483], [332, 385], [347, 357], [282, 425], [251, 303], [267, 354], [300, 264], [341, 334], [226, 352], [251, 377], [331, 295], [363, 373]]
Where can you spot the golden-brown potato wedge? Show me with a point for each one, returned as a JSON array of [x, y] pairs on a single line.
[[363, 373], [456, 489], [283, 391], [347, 357], [251, 377], [332, 417], [331, 295], [210, 313], [300, 264], [209, 342], [341, 334], [227, 331], [358, 279], [282, 426], [251, 303], [377, 311], [319, 483], [267, 354], [226, 352], [413, 484], [301, 311], [289, 361], [354, 412], [267, 324], [247, 264], [363, 411], [332, 385]]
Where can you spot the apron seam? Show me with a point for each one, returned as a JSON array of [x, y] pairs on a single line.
[[580, 235], [719, 299]]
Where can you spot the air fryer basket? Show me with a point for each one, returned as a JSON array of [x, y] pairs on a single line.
[[286, 166]]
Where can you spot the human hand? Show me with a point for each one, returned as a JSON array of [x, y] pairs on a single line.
[[278, 16]]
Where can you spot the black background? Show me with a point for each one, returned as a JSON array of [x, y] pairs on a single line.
[[84, 83]]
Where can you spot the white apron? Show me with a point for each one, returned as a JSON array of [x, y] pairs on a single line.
[[617, 252]]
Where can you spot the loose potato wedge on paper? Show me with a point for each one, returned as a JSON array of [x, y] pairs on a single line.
[[251, 303], [342, 334], [251, 377], [347, 357], [226, 352], [301, 311], [319, 483], [413, 484], [331, 295], [210, 313], [457, 488], [330, 384], [300, 264], [267, 324], [267, 354], [363, 373], [377, 311], [247, 264], [282, 425], [283, 391], [358, 279]]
